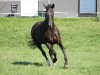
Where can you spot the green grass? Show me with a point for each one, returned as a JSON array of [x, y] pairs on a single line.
[[81, 37]]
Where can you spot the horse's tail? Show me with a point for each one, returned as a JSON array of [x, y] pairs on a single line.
[[31, 42]]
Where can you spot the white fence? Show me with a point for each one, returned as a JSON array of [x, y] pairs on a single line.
[[42, 14]]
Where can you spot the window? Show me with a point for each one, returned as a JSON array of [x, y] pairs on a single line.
[[14, 8], [87, 7]]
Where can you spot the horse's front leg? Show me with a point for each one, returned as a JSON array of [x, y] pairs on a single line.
[[52, 53], [65, 55]]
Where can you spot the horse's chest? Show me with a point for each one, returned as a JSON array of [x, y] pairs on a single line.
[[52, 37]]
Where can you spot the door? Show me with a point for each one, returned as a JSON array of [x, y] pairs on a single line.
[[87, 7]]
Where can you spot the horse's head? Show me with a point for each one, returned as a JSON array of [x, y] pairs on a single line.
[[49, 15]]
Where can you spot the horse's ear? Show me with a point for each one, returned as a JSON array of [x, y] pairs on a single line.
[[53, 5], [44, 6]]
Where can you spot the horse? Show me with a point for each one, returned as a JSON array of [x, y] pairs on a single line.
[[46, 32]]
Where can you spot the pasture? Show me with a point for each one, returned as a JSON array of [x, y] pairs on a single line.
[[80, 36]]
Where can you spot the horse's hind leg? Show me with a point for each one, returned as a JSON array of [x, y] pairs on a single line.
[[43, 53], [52, 53], [53, 57], [65, 56]]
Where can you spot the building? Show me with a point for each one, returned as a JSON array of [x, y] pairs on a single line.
[[63, 8], [73, 8], [18, 8]]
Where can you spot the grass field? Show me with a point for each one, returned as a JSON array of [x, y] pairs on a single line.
[[81, 37]]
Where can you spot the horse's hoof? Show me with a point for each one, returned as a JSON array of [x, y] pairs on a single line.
[[65, 66], [54, 60], [54, 63], [48, 62]]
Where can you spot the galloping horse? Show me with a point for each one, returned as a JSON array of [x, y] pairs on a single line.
[[46, 32]]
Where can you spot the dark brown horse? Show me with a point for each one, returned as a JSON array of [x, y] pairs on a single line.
[[46, 32]]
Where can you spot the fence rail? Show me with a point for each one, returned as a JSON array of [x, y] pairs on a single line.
[[42, 14]]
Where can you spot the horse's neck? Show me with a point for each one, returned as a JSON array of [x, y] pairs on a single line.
[[46, 22]]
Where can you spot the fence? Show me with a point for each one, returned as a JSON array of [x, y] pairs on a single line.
[[42, 14]]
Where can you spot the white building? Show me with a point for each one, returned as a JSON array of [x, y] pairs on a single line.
[[18, 7], [63, 8]]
